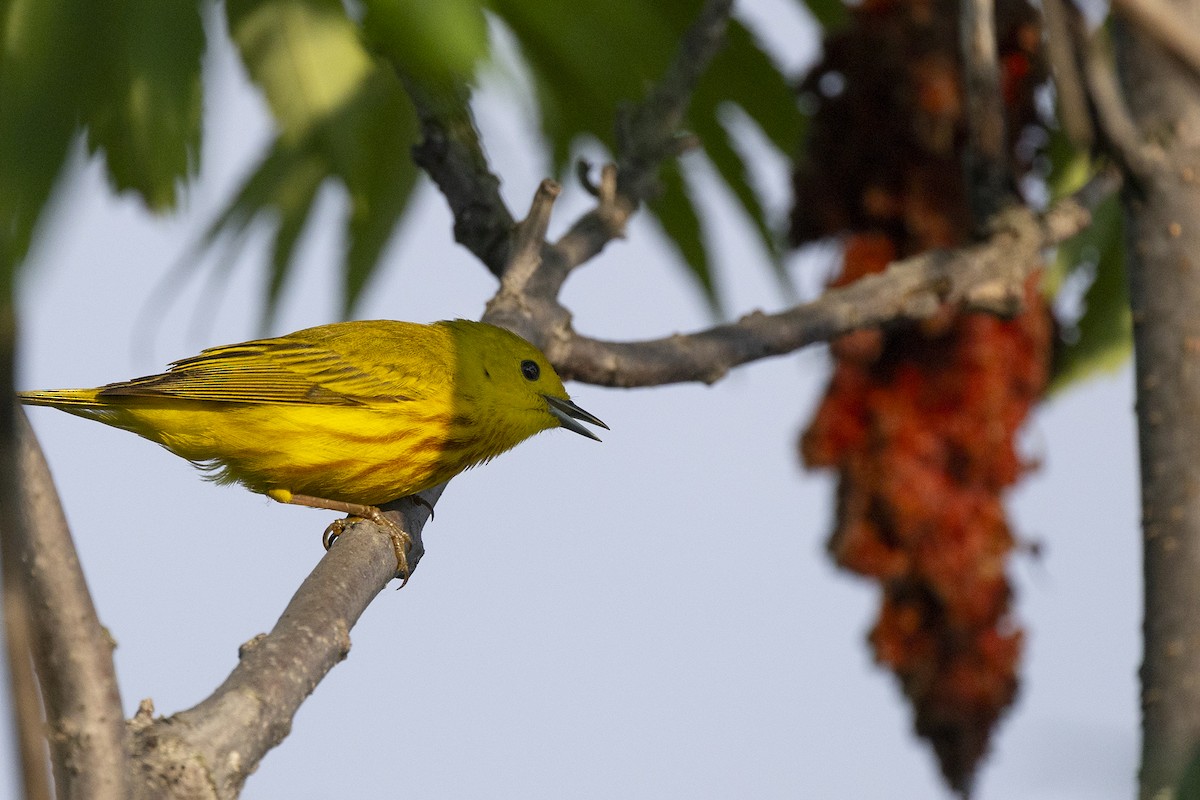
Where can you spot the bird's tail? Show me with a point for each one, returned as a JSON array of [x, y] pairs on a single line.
[[65, 399]]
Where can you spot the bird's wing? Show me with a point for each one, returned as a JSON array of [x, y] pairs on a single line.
[[290, 369]]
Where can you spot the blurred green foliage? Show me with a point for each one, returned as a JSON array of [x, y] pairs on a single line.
[[1101, 339], [127, 74], [127, 70], [1189, 784]]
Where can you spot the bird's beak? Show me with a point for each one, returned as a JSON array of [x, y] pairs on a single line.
[[567, 412]]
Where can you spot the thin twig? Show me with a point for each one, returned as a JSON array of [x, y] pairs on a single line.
[[583, 172], [989, 185], [1064, 63], [647, 134], [1116, 126], [529, 239], [591, 232], [652, 131]]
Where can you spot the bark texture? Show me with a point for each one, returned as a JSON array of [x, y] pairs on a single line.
[[1162, 207], [72, 650]]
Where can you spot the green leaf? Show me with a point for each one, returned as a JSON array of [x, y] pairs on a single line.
[[1069, 169], [306, 55], [679, 220], [1189, 783], [380, 177], [435, 43], [292, 199], [143, 106], [41, 84], [718, 144], [742, 74], [343, 116], [829, 13], [365, 145], [587, 58], [1104, 338]]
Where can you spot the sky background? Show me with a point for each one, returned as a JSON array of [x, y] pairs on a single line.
[[650, 617]]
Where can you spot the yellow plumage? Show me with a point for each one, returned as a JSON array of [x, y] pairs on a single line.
[[353, 412]]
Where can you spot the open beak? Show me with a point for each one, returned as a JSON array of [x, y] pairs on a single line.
[[567, 412]]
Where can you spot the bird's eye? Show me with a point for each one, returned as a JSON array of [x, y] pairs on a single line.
[[530, 370]]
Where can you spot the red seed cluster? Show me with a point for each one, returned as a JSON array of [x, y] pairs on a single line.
[[922, 434], [920, 422]]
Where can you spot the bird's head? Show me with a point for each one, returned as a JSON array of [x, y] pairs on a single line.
[[515, 381]]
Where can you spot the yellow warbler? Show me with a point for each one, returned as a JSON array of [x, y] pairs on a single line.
[[343, 416]]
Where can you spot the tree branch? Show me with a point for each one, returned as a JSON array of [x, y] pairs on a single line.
[[1165, 25], [983, 277], [647, 134], [72, 649], [452, 155], [1161, 243], [650, 132], [1119, 134], [15, 534], [1062, 22], [989, 185], [209, 750], [529, 239]]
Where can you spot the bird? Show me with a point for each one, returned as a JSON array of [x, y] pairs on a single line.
[[345, 416]]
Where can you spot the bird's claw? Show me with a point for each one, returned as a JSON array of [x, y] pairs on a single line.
[[333, 531], [421, 501], [401, 541]]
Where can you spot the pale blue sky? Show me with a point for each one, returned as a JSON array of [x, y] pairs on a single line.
[[651, 617]]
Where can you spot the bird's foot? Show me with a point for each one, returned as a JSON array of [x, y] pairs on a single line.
[[333, 531], [401, 541], [421, 501]]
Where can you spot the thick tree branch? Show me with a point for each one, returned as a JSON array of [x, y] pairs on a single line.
[[1162, 242], [209, 750], [1165, 25], [26, 716], [72, 649]]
